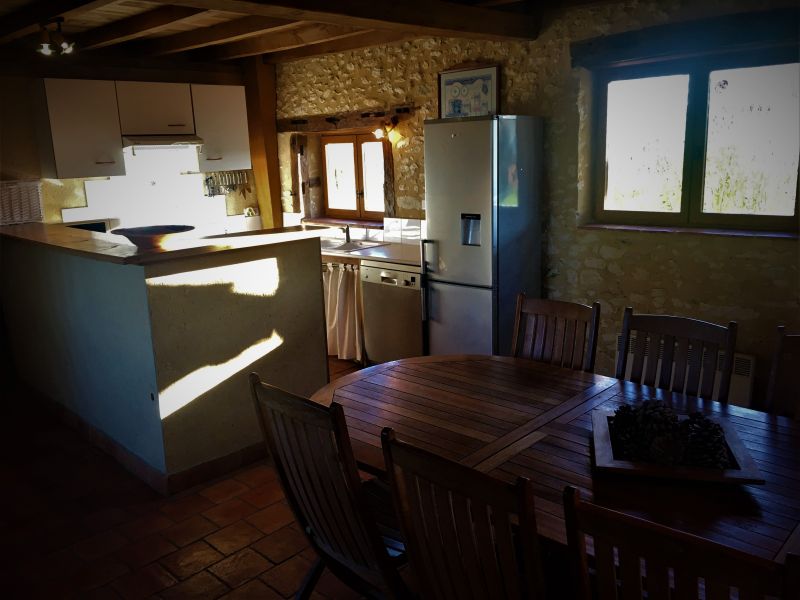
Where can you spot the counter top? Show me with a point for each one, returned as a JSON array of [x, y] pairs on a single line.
[[403, 254], [117, 249]]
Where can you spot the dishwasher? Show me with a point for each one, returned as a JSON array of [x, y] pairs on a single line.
[[392, 296]]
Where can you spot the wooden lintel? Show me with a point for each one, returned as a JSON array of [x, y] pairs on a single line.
[[424, 17], [221, 33], [261, 98], [302, 34], [360, 40], [356, 121], [133, 27], [26, 19]]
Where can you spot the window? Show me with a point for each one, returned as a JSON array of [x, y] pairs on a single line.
[[711, 142], [355, 175]]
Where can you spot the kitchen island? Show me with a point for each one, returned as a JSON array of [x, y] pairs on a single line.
[[148, 351]]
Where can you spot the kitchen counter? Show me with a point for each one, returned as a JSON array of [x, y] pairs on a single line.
[[150, 350], [402, 254], [117, 249]]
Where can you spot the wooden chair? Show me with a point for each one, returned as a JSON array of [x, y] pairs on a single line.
[[460, 527], [636, 559], [311, 449], [688, 349], [783, 390], [556, 332]]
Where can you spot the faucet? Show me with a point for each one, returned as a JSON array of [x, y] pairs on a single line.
[[346, 230]]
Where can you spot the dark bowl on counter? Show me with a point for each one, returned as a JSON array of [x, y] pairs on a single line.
[[152, 236]]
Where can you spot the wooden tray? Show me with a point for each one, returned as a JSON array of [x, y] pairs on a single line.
[[604, 461]]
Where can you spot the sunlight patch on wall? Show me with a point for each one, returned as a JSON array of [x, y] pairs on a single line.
[[253, 278], [198, 382]]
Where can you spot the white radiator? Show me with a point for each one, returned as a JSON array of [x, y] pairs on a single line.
[[20, 202], [741, 389]]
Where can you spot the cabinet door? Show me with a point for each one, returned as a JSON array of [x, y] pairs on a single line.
[[220, 115], [147, 108], [84, 126]]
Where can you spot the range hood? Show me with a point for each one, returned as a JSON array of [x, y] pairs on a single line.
[[188, 139]]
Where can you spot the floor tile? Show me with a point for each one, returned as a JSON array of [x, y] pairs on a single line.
[[100, 544], [145, 525], [144, 582], [189, 530], [264, 495], [224, 490], [257, 475], [234, 537], [191, 559], [230, 511], [286, 577], [282, 544], [272, 518], [183, 507], [253, 590], [203, 586], [145, 551], [240, 567]]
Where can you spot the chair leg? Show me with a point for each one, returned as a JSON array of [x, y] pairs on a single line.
[[310, 580]]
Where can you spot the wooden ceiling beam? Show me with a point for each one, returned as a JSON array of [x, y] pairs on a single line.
[[424, 17], [26, 19], [134, 26], [365, 39], [221, 33], [303, 34]]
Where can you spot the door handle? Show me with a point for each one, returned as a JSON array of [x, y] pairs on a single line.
[[176, 124], [105, 162]]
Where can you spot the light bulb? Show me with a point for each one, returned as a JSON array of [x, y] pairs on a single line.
[[45, 49], [67, 47], [379, 133]]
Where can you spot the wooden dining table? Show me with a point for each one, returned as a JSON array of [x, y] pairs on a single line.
[[514, 417]]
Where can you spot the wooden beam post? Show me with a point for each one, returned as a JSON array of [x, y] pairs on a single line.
[[260, 93]]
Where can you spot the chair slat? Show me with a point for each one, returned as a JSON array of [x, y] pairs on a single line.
[[630, 574], [665, 374], [444, 517], [468, 547], [505, 554], [557, 352], [649, 377], [709, 369], [541, 337], [605, 568], [657, 579], [639, 349], [680, 364], [579, 353], [693, 367]]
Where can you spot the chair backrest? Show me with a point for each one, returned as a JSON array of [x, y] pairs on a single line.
[[636, 559], [556, 332], [461, 527], [783, 396], [688, 350], [311, 449]]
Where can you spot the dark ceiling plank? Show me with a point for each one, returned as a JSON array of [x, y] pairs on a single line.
[[134, 26], [220, 33], [424, 17], [359, 40], [26, 19], [305, 33]]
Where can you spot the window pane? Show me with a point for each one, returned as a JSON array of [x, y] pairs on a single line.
[[645, 127], [340, 172], [753, 141], [372, 165]]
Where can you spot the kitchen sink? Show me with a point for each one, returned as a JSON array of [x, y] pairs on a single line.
[[339, 246]]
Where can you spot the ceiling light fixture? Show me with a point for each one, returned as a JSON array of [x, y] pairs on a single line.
[[52, 41], [388, 129]]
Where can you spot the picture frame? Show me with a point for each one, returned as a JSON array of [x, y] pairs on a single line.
[[469, 91]]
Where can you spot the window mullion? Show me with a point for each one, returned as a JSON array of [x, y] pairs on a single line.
[[359, 177], [695, 144]]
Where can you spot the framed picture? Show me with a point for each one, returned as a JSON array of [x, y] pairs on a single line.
[[469, 92]]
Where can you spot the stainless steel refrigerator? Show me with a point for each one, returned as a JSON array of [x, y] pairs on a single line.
[[483, 246]]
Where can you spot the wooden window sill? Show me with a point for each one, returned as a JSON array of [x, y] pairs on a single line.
[[343, 222], [786, 235]]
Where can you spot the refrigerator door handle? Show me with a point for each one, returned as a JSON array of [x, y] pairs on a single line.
[[426, 255]]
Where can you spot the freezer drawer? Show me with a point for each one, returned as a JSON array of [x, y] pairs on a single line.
[[460, 319], [392, 299]]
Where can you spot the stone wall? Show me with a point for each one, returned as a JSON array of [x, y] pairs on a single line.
[[718, 278]]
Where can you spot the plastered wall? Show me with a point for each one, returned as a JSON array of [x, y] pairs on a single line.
[[753, 281]]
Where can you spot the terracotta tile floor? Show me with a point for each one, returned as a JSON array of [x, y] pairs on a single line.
[[74, 524]]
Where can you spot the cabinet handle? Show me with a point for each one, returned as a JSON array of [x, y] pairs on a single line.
[[218, 158], [105, 162], [176, 124]]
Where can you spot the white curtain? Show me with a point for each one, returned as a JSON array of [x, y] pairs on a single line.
[[343, 312]]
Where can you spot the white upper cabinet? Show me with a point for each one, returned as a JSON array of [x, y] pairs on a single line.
[[84, 127], [220, 114], [148, 108]]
